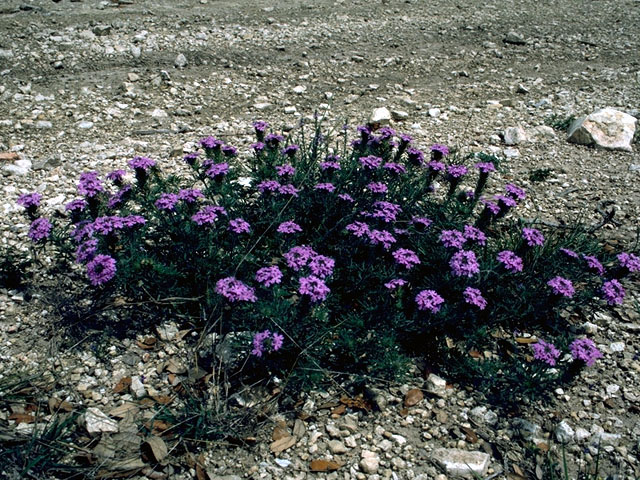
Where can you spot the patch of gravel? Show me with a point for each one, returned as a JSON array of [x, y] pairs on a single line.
[[88, 85]]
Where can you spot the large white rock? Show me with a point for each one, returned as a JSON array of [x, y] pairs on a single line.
[[370, 462], [381, 115], [97, 421], [607, 128], [461, 462]]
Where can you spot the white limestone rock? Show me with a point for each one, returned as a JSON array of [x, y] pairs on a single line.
[[607, 128]]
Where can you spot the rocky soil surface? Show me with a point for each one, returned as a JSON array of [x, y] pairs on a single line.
[[90, 84]]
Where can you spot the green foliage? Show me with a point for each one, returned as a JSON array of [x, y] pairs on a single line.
[[376, 243], [540, 174], [13, 268], [558, 122]]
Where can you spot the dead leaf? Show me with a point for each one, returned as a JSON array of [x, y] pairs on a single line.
[[299, 428], [123, 410], [280, 431], [518, 471], [543, 446], [358, 402], [163, 399], [123, 385], [470, 435], [9, 156], [148, 343], [200, 473], [339, 410], [154, 450], [404, 412], [322, 465], [181, 334], [282, 444], [56, 405], [475, 354], [526, 340], [22, 418], [413, 397]]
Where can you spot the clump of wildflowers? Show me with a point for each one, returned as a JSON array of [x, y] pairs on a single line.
[[235, 291], [583, 349], [561, 286], [533, 237], [266, 340], [314, 287], [510, 261], [473, 296], [613, 292], [545, 352], [429, 300], [101, 269]]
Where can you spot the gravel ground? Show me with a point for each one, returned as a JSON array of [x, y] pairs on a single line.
[[89, 84]]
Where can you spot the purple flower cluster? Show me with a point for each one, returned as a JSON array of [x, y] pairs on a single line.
[[473, 296], [421, 222], [594, 264], [330, 165], [289, 227], [208, 215], [485, 167], [346, 197], [359, 229], [260, 126], [39, 230], [510, 261], [258, 146], [386, 211], [515, 192], [76, 205], [381, 237], [407, 258], [268, 276], [273, 140], [456, 171], [288, 189], [378, 187], [298, 257], [234, 290], [327, 187], [211, 143], [439, 150], [260, 338], [464, 263], [87, 250], [217, 171], [190, 195], [229, 151], [190, 158], [290, 150], [569, 253], [141, 163], [452, 238], [585, 350], [314, 287], [116, 176], [321, 266], [629, 261], [396, 168], [429, 300], [613, 292], [545, 352], [239, 225], [286, 169], [533, 237], [268, 186], [395, 283], [167, 201], [29, 200], [371, 162], [434, 166], [561, 286], [474, 234], [101, 269], [89, 184], [415, 156]]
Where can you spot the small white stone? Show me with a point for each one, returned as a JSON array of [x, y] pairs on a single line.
[[564, 432], [299, 89], [97, 421], [380, 115], [370, 462]]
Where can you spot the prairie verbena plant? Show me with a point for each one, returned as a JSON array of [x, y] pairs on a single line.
[[343, 256]]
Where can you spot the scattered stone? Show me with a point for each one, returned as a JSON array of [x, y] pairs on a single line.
[[399, 115], [137, 387], [167, 331], [514, 135], [98, 422], [617, 347], [337, 447], [101, 30], [434, 112], [514, 38], [380, 115], [461, 462], [370, 462], [607, 128], [180, 61], [85, 125], [299, 89], [564, 433], [436, 385]]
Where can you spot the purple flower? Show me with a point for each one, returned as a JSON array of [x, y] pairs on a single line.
[[407, 258], [404, 138], [381, 237], [107, 224], [456, 171], [561, 286], [87, 250], [269, 275], [234, 290], [421, 222], [89, 184], [473, 296], [118, 197], [257, 146], [464, 263], [510, 260], [76, 205], [438, 151], [395, 283], [492, 207], [229, 151], [629, 261], [268, 186], [415, 156], [273, 140], [167, 201], [585, 350], [485, 167], [386, 132], [190, 158], [569, 253], [208, 215], [594, 264], [314, 287], [396, 168], [533, 237], [545, 352], [346, 197], [260, 338], [141, 163], [211, 143], [190, 195], [29, 200], [387, 211], [321, 266], [289, 227], [277, 340], [82, 230], [116, 176], [515, 192], [285, 169], [613, 292], [505, 202], [330, 165], [217, 171], [39, 230], [101, 269], [359, 229], [260, 126], [475, 235], [435, 167], [328, 187], [452, 238], [239, 225], [290, 150], [288, 189], [429, 300], [371, 162], [131, 221], [298, 257], [378, 187]]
